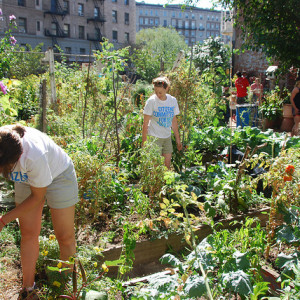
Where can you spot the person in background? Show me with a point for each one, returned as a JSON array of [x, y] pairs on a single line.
[[295, 101], [160, 114], [41, 171], [257, 90], [241, 84]]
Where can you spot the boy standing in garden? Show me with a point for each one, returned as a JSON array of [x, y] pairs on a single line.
[[159, 117]]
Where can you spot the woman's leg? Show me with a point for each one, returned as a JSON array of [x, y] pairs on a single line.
[[30, 226], [295, 130], [63, 224]]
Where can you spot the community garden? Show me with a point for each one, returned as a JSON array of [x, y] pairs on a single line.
[[128, 197]]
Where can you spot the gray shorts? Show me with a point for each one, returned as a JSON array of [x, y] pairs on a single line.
[[165, 144], [61, 193]]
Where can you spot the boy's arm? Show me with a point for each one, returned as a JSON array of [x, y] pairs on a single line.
[[176, 133], [145, 128]]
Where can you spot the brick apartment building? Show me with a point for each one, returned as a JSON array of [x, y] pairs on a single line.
[[193, 23], [76, 26]]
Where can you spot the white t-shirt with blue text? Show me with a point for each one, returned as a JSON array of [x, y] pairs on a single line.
[[162, 113], [42, 160]]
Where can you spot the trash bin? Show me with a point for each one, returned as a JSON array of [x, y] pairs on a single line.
[[247, 115]]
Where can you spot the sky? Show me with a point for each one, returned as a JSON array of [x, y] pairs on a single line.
[[201, 3]]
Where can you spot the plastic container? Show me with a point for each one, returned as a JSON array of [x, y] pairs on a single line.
[[247, 115]]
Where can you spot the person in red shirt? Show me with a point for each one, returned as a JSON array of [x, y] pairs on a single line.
[[241, 84]]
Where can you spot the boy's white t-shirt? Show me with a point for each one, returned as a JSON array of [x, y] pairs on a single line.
[[162, 113], [41, 161]]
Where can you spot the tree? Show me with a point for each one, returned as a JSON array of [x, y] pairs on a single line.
[[272, 26], [154, 48]]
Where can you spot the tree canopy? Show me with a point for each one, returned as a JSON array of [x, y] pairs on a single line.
[[154, 47], [272, 26]]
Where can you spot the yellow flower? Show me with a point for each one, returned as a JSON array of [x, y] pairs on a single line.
[[59, 265], [52, 237], [45, 253], [95, 264], [56, 283], [104, 268]]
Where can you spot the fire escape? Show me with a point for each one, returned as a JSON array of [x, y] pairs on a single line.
[[56, 31], [98, 20]]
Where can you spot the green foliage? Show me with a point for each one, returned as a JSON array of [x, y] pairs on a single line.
[[26, 64], [212, 57], [270, 27], [154, 47], [151, 169], [7, 44], [271, 107]]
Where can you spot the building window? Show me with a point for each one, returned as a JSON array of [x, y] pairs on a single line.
[[212, 18], [146, 12], [165, 23], [141, 21], [115, 36], [54, 28], [193, 16], [217, 19], [156, 22], [151, 12], [193, 25], [141, 12], [165, 13], [208, 26], [217, 26], [66, 6], [126, 18], [173, 14], [146, 21], [96, 12], [186, 24], [82, 51], [127, 37], [208, 34], [201, 34], [180, 15], [80, 9], [192, 33], [126, 2], [21, 3], [207, 17], [173, 23], [201, 17], [212, 26], [180, 23], [186, 15], [186, 33], [37, 2], [67, 30], [114, 16], [151, 21], [114, 0], [68, 50], [156, 13], [98, 34], [186, 41], [22, 25], [38, 26], [193, 40], [81, 32]]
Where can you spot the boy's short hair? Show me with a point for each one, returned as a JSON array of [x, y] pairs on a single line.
[[161, 81]]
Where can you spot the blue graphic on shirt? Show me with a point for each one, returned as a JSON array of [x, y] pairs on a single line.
[[19, 177], [165, 116]]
